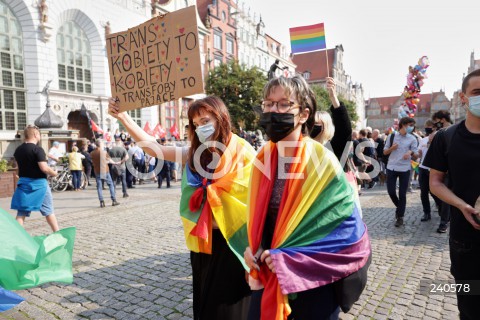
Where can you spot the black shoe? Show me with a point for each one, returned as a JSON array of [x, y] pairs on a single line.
[[131, 187], [399, 222], [426, 217], [168, 186], [442, 228], [125, 195], [159, 187], [372, 184], [115, 203], [102, 204]]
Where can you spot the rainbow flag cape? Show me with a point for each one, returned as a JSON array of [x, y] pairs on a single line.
[[319, 236], [27, 261], [8, 300], [414, 165], [225, 197], [308, 38]]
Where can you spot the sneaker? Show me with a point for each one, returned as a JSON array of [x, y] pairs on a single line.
[[442, 228], [399, 222]]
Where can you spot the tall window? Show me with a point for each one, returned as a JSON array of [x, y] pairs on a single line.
[[13, 109], [217, 41], [74, 59], [170, 115], [229, 46]]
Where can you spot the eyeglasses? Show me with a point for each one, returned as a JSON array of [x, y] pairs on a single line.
[[283, 106]]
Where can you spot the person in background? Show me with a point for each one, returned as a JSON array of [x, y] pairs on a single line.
[[424, 173], [54, 154], [456, 150], [400, 152], [166, 169], [101, 159], [87, 163], [441, 120], [33, 192], [119, 154], [75, 165]]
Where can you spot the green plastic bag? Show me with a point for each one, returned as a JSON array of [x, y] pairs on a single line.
[[27, 261]]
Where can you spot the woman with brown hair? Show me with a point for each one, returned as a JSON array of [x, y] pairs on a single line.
[[212, 206]]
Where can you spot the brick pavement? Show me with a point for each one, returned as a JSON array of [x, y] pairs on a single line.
[[130, 262]]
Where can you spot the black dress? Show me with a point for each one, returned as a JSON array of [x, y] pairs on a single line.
[[220, 289]]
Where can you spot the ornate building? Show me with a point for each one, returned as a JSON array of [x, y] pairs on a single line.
[[381, 112], [315, 68]]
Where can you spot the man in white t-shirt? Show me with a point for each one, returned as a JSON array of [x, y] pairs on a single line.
[[54, 154]]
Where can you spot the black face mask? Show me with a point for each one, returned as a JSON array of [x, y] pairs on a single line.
[[428, 131], [317, 129], [439, 125], [277, 125]]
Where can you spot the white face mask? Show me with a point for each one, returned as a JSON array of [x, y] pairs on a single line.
[[204, 132], [474, 105]]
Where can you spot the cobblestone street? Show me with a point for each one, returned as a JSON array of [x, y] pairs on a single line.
[[131, 262]]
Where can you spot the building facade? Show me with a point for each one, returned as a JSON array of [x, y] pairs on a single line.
[[318, 65], [458, 111], [381, 112]]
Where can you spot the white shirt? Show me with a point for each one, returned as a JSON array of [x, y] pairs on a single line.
[[56, 153]]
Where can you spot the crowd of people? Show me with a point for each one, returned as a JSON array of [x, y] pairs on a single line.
[[274, 225]]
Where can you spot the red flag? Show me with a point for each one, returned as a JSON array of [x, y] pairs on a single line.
[[147, 129], [159, 132], [174, 131], [95, 127]]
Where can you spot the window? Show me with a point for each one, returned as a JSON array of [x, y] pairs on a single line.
[[217, 41], [74, 59], [229, 46], [217, 61], [170, 115], [224, 16], [306, 75], [13, 107]]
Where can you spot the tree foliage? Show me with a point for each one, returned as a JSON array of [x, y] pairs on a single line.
[[240, 88], [324, 103]]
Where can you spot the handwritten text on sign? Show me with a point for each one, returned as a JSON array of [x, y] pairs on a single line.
[[157, 61]]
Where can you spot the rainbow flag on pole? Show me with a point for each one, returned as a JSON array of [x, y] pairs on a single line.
[[308, 38]]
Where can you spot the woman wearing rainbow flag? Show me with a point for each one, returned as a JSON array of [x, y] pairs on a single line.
[[212, 206], [304, 229]]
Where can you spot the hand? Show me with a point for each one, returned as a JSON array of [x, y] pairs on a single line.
[[407, 156], [468, 212], [250, 259], [114, 109], [394, 146], [268, 260], [332, 92]]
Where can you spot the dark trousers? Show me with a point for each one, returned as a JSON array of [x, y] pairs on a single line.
[[314, 304], [465, 263], [123, 178], [164, 174], [423, 180], [399, 201], [129, 178], [88, 173], [76, 178]]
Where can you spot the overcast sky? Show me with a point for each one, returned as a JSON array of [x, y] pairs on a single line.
[[382, 38]]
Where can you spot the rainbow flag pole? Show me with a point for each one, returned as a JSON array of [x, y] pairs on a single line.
[[309, 38]]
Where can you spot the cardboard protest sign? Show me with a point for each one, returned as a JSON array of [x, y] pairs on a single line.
[[157, 61]]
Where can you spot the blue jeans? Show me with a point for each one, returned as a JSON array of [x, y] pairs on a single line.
[[401, 201], [108, 179], [76, 178]]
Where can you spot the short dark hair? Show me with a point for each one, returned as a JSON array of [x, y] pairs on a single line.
[[442, 114], [474, 73], [405, 121], [363, 132]]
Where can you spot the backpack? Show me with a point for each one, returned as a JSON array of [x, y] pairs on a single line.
[[386, 156]]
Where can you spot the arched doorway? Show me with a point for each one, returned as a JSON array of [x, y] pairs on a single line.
[[78, 122]]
